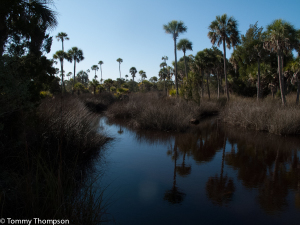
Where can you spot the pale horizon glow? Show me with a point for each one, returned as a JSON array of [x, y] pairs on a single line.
[[133, 30]]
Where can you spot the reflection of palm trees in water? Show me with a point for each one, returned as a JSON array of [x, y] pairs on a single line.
[[174, 196], [184, 170], [120, 131], [220, 189]]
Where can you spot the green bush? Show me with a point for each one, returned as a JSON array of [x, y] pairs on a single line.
[[172, 92]]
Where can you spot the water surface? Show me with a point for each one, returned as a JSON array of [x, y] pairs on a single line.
[[213, 175]]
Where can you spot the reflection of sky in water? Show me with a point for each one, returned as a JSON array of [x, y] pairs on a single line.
[[139, 172]]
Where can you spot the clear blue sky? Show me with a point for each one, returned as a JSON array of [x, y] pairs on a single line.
[[133, 30]]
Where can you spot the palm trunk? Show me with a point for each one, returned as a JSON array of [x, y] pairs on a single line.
[[101, 73], [185, 66], [165, 85], [176, 80], [298, 88], [225, 72], [207, 86], [120, 69], [281, 78], [74, 76], [62, 75], [218, 85], [202, 89], [258, 79]]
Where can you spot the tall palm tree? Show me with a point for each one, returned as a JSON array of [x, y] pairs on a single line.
[[175, 28], [132, 71], [96, 68], [61, 55], [61, 37], [224, 30], [281, 37], [119, 60], [76, 55], [101, 63], [184, 44]]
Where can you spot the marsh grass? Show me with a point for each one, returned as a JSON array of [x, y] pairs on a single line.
[[265, 115], [44, 173], [154, 110]]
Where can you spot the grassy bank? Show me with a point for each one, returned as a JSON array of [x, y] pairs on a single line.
[[156, 111], [265, 115], [44, 167]]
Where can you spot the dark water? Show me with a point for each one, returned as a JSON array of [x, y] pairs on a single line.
[[213, 175]]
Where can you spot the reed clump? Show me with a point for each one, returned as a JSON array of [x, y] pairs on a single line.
[[265, 115], [44, 174], [155, 111]]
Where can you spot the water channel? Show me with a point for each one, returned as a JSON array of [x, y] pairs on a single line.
[[211, 175]]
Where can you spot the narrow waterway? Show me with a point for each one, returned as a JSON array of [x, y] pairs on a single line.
[[212, 175]]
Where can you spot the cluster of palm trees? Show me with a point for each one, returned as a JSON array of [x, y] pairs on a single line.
[[74, 54], [280, 38]]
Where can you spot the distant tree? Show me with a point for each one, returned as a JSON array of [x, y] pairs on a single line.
[[96, 68], [61, 55], [69, 74], [119, 60], [83, 77], [101, 63], [108, 83], [62, 37], [185, 44], [164, 58], [175, 28], [133, 71], [76, 55], [143, 76], [153, 79], [94, 83], [126, 76], [224, 30]]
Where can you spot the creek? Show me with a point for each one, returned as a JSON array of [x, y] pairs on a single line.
[[210, 175]]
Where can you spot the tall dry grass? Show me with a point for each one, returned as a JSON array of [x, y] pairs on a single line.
[[51, 160], [153, 110], [265, 115]]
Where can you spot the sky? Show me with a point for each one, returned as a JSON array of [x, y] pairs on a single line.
[[133, 30]]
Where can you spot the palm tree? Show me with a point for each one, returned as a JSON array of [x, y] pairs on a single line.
[[119, 60], [96, 68], [69, 74], [126, 77], [61, 55], [101, 63], [94, 84], [76, 55], [175, 28], [165, 58], [133, 71], [224, 30], [294, 67], [143, 76], [61, 37], [281, 37], [28, 18], [185, 44]]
